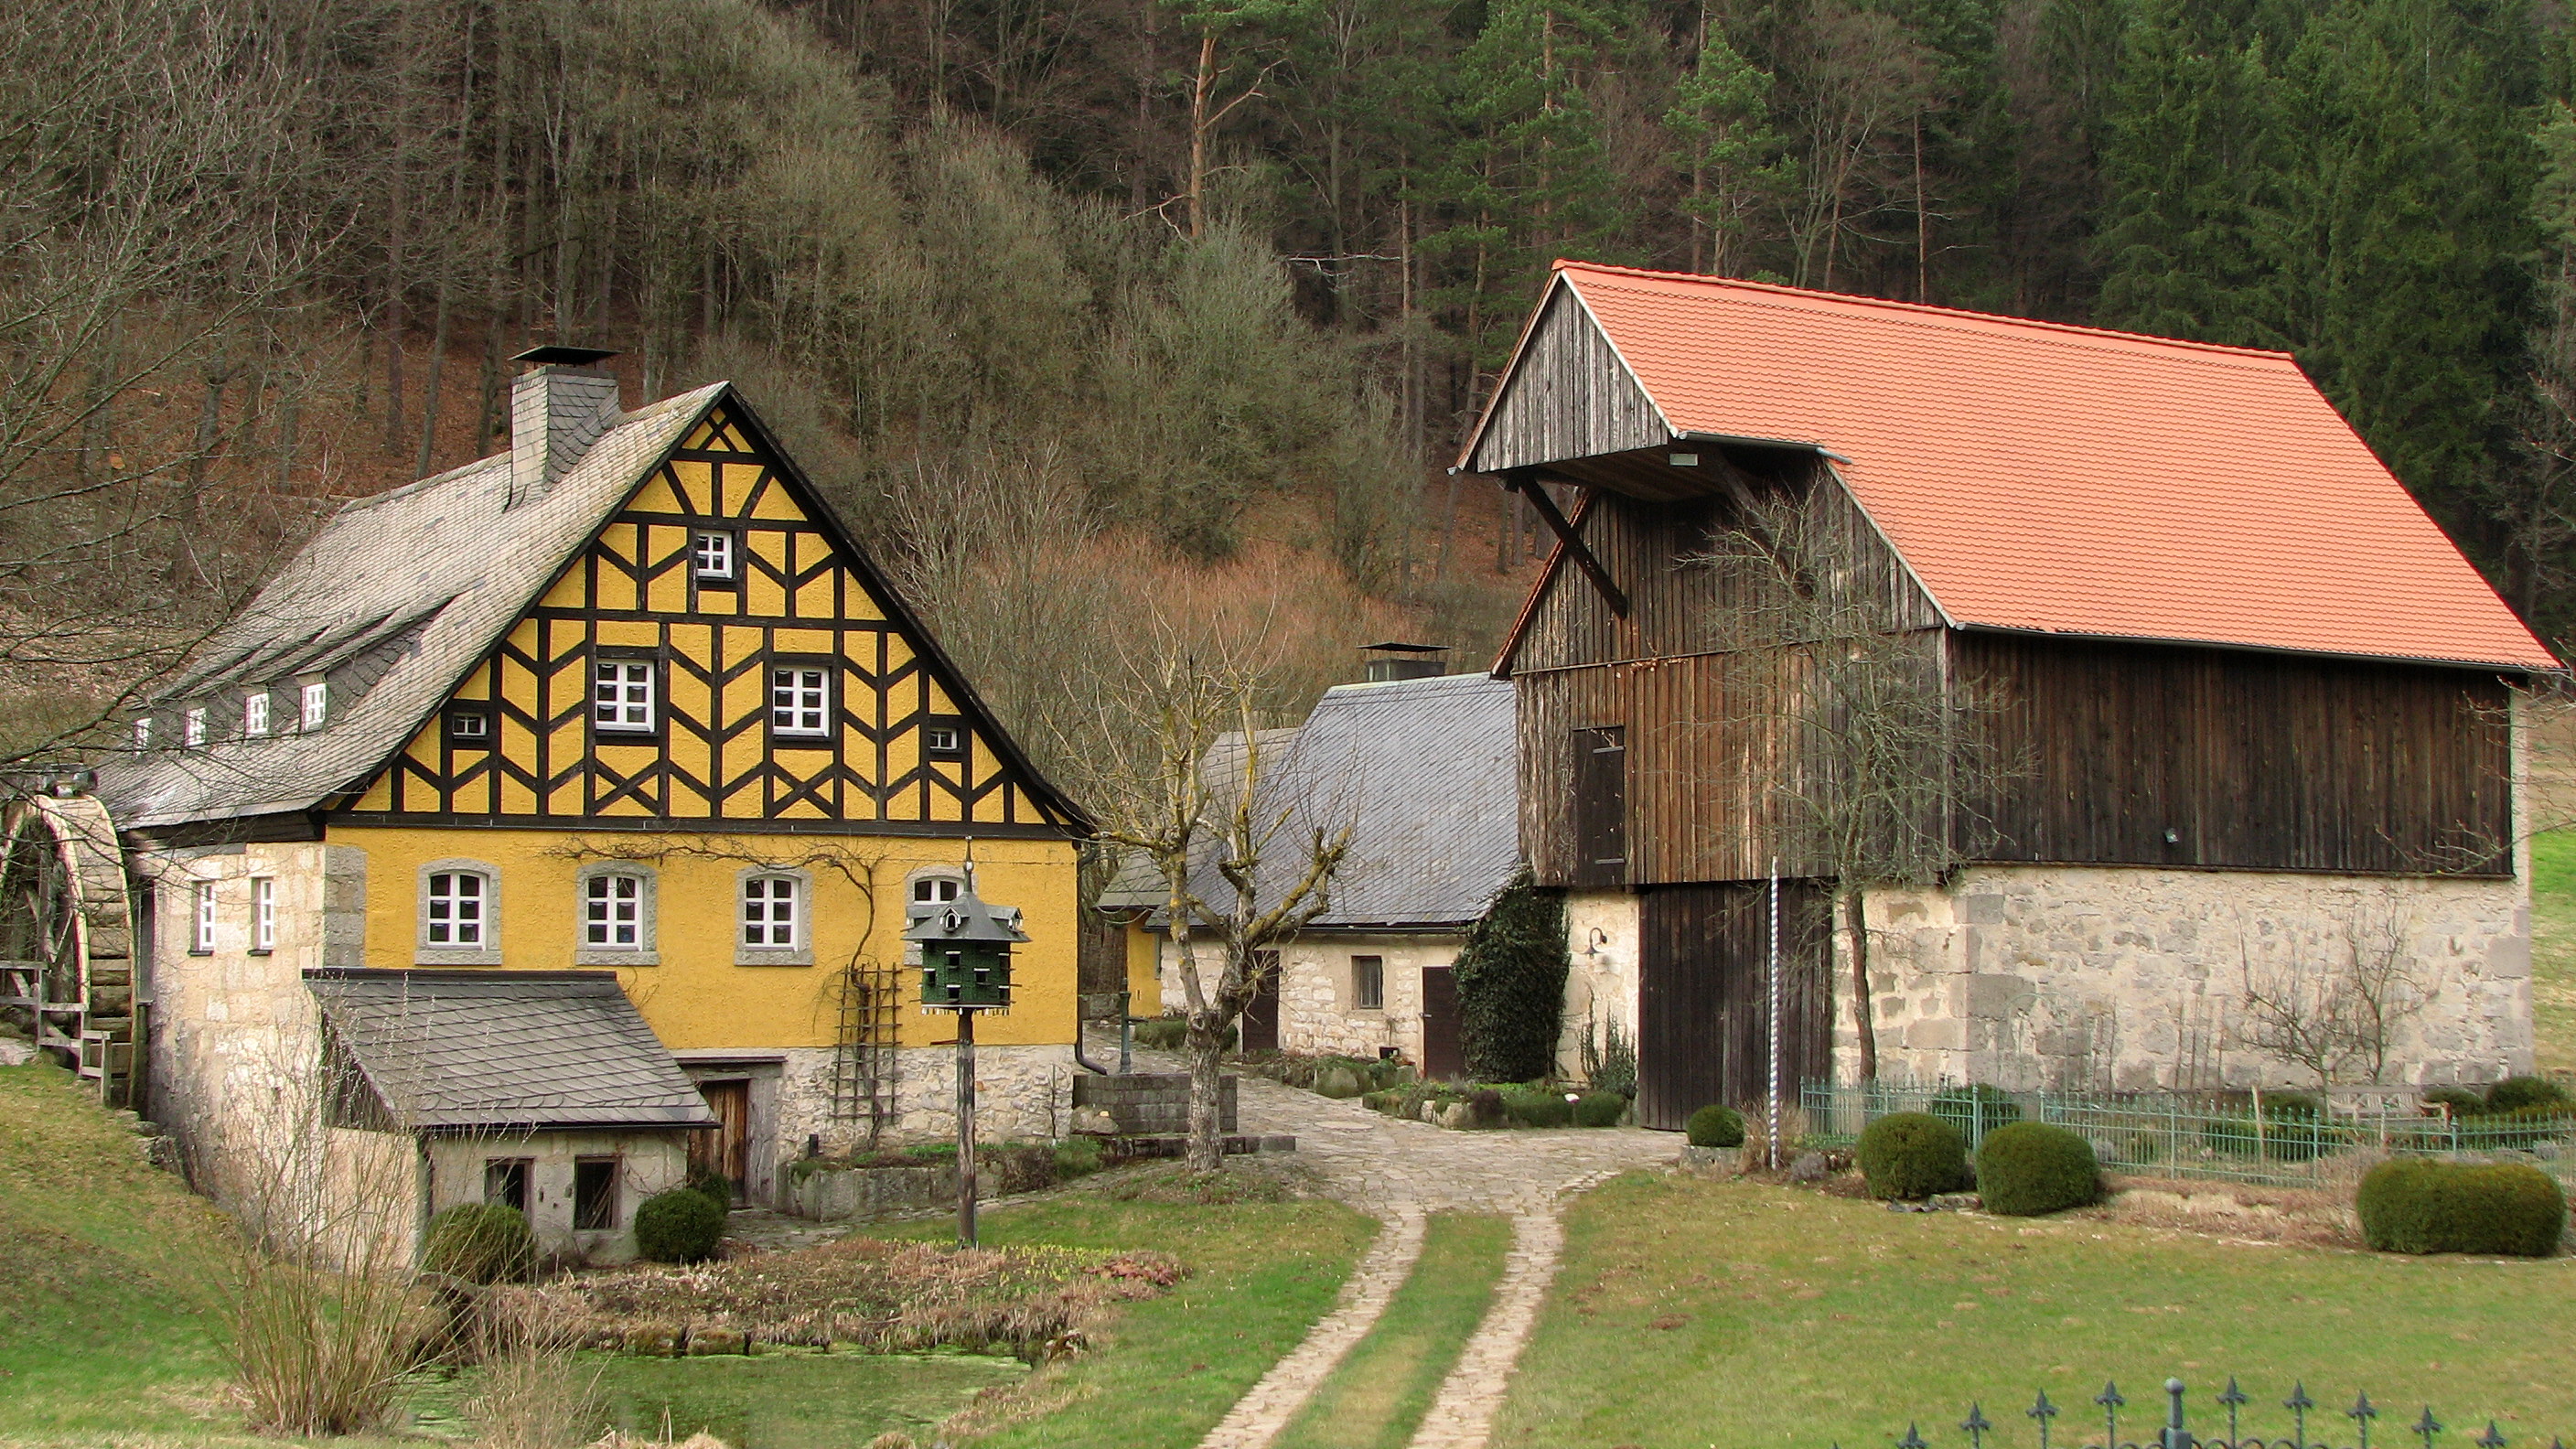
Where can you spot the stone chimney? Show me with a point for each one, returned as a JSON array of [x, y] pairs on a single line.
[[558, 408]]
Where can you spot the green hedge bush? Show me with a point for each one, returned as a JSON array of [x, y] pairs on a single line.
[[2463, 1101], [1715, 1125], [1538, 1108], [1908, 1156], [2521, 1094], [2418, 1205], [706, 1180], [2025, 1169], [480, 1242], [679, 1226], [1599, 1109], [2294, 1129], [1975, 1111]]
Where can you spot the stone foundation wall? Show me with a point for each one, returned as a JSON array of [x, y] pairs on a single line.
[[2105, 979], [1601, 987], [1021, 1092]]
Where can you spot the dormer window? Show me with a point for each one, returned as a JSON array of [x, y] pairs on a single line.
[[316, 704], [142, 733], [193, 727], [713, 558], [255, 714]]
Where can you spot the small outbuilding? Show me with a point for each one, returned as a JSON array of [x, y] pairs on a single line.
[[540, 1090]]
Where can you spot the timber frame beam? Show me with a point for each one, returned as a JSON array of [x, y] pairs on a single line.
[[1525, 482]]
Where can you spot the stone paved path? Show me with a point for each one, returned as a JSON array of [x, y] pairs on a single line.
[[1401, 1172]]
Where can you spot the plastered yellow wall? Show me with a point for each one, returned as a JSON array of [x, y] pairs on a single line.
[[697, 998]]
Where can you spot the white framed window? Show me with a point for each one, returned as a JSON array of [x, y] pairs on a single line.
[[616, 904], [773, 926], [193, 727], [944, 740], [456, 908], [201, 941], [713, 557], [255, 714], [800, 700], [317, 704], [621, 694], [142, 733], [459, 914], [263, 913], [937, 887], [469, 728]]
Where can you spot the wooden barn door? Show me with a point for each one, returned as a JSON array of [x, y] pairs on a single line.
[[726, 1151], [1600, 807], [1260, 1021], [1703, 1000], [1444, 1053]]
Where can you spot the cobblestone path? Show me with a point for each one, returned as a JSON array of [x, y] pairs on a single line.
[[1401, 1172]]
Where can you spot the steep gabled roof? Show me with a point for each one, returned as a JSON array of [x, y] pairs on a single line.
[[2064, 480], [1421, 770], [426, 578], [504, 1050]]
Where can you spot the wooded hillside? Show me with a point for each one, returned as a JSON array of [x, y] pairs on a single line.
[[1081, 305]]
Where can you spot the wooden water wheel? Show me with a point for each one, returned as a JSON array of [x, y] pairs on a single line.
[[67, 936]]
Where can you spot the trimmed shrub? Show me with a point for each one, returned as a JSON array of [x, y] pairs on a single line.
[[678, 1226], [2025, 1169], [1599, 1109], [1538, 1108], [713, 1184], [2463, 1101], [1485, 1105], [1911, 1155], [2418, 1205], [480, 1242], [1715, 1125], [1511, 986], [2521, 1094], [1975, 1111]]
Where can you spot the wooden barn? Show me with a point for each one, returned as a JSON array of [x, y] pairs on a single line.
[[2104, 705]]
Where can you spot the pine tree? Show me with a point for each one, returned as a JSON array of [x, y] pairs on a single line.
[[1725, 142]]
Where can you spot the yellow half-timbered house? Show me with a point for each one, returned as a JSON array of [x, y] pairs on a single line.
[[628, 698]]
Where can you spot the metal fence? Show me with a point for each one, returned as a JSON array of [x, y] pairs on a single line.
[[2175, 1432], [2240, 1138]]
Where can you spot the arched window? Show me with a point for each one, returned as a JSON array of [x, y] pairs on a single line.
[[616, 901], [460, 914], [935, 885]]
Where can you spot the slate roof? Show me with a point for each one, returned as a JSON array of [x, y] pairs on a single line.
[[429, 573], [1423, 770], [2056, 479], [505, 1050]]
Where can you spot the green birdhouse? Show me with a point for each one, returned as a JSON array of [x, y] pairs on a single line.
[[965, 950]]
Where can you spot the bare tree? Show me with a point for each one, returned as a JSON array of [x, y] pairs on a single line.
[[2338, 1019], [1206, 799], [1875, 756]]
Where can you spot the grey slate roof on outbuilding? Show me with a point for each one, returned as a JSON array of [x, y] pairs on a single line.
[[425, 576], [1425, 773], [504, 1050]]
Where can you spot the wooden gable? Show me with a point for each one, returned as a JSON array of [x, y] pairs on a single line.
[[907, 748], [1566, 395]]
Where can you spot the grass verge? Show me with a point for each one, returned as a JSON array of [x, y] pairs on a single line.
[[113, 1271], [1690, 1313], [1378, 1395], [2553, 948], [1163, 1372]]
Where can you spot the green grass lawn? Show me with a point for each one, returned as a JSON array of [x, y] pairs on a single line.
[[1690, 1314], [1165, 1370], [2553, 947], [109, 1273], [1378, 1395]]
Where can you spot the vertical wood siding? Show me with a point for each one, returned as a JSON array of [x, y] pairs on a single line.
[[1703, 1002], [1569, 397]]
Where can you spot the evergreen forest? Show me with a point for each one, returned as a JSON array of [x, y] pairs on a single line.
[[1071, 302]]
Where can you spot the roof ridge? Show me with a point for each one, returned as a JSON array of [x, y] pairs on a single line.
[[1923, 310]]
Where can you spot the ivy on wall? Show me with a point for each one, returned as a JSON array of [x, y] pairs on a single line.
[[1511, 985]]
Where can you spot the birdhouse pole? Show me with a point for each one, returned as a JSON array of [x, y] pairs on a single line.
[[963, 947], [965, 1128]]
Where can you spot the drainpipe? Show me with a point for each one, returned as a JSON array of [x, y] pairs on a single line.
[[1086, 1063]]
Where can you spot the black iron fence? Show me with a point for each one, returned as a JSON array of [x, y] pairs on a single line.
[[2308, 1426]]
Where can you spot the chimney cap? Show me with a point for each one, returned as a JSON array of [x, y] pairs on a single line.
[[566, 356], [1398, 646]]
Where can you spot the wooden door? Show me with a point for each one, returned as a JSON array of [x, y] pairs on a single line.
[[725, 1151], [1260, 1021], [1600, 806], [1444, 1057], [1703, 998]]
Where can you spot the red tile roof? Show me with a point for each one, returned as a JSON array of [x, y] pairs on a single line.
[[2070, 480]]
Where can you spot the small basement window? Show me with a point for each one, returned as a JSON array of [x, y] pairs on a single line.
[[505, 1181], [594, 1194], [1368, 983]]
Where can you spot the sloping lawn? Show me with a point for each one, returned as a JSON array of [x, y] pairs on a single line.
[[1164, 1371], [109, 1271], [1690, 1313], [2553, 947]]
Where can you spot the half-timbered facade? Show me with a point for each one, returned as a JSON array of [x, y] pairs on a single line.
[[2230, 713], [631, 698]]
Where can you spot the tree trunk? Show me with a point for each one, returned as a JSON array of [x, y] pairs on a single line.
[[1199, 131], [1856, 921], [1207, 1122]]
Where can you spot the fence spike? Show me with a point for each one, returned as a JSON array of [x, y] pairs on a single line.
[[2234, 1395], [2043, 1411], [1976, 1425], [2427, 1427], [1912, 1440], [2361, 1413], [2490, 1439]]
